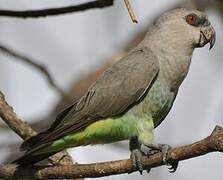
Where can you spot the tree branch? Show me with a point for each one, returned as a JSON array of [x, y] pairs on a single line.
[[32, 63], [10, 118], [22, 128], [56, 11], [213, 143]]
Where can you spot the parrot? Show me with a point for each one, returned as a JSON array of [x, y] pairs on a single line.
[[132, 97]]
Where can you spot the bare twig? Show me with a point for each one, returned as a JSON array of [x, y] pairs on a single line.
[[32, 63], [10, 118], [213, 143], [57, 11], [21, 128], [131, 12]]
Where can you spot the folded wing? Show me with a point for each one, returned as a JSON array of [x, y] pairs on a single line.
[[115, 92]]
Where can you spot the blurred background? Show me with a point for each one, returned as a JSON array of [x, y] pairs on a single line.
[[77, 47]]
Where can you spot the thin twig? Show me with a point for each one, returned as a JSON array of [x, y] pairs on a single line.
[[32, 63], [56, 11], [213, 143], [22, 128], [131, 12]]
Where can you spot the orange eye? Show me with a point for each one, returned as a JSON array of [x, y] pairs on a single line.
[[192, 19]]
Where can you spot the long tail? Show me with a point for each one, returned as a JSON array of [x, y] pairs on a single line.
[[33, 156], [36, 140]]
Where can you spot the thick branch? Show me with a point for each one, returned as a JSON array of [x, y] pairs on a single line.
[[212, 143], [32, 63], [21, 128], [56, 11]]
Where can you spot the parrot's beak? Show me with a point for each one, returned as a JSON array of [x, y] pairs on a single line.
[[207, 35]]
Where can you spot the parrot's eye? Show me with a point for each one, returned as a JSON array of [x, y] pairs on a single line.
[[192, 19]]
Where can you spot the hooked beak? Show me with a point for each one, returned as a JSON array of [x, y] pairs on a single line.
[[207, 35]]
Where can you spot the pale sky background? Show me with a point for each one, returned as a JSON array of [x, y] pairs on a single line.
[[71, 45]]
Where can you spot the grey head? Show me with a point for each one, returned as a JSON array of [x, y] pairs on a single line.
[[182, 28]]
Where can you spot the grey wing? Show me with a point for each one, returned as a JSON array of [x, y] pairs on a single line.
[[122, 85], [117, 90]]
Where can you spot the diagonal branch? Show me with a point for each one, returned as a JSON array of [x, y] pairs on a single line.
[[213, 143], [32, 63], [22, 128], [131, 12], [10, 118], [57, 11]]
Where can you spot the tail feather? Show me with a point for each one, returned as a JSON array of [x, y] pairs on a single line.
[[31, 142], [30, 159], [35, 141], [35, 155]]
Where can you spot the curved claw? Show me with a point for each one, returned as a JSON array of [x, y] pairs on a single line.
[[173, 165], [164, 149]]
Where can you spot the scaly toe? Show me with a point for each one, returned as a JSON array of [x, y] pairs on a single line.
[[136, 157], [149, 150], [172, 165]]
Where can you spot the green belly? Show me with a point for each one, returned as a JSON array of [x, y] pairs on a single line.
[[101, 132], [106, 131]]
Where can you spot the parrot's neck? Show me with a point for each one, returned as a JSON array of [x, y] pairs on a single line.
[[174, 56], [174, 70]]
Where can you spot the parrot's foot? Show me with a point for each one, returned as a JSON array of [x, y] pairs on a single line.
[[136, 157], [164, 149], [172, 165]]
